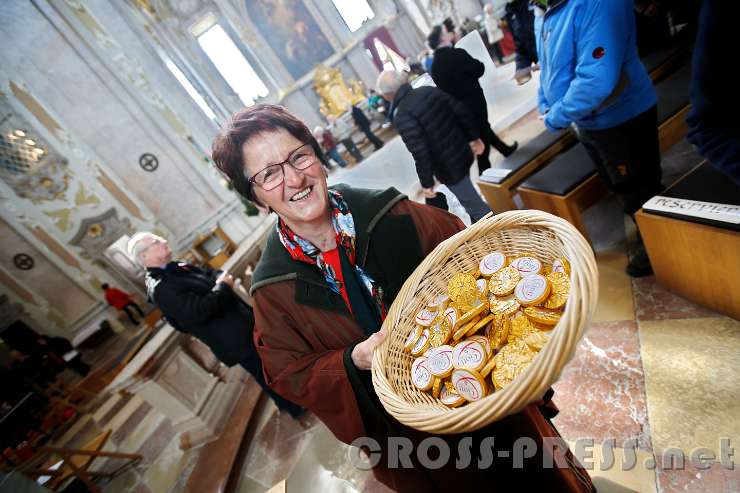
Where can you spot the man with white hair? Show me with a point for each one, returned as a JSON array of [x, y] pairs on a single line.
[[441, 134], [202, 303]]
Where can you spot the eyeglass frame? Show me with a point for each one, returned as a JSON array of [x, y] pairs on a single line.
[[251, 180]]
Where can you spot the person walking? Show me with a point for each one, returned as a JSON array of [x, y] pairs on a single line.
[[456, 72], [329, 146], [442, 136], [363, 124], [520, 19], [343, 131], [494, 33], [593, 80], [121, 301]]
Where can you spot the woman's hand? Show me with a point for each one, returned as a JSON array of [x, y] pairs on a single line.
[[362, 354]]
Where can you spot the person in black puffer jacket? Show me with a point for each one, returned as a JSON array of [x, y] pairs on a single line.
[[202, 303], [441, 134]]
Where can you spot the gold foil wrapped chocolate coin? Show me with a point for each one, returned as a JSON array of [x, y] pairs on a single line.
[[504, 281]]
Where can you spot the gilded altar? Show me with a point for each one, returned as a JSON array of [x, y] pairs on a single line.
[[336, 95]]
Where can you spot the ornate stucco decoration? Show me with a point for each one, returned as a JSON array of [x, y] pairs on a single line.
[[96, 233]]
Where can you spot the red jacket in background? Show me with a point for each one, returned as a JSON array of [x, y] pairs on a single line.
[[117, 298]]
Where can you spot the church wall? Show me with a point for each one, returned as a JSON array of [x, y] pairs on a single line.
[[44, 286]]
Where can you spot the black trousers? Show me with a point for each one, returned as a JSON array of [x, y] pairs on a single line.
[[127, 308], [377, 143], [628, 158], [490, 139], [352, 148]]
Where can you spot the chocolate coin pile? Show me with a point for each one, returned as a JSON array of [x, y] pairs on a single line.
[[488, 327]]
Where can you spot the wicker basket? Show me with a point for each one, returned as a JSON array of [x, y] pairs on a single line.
[[516, 232]]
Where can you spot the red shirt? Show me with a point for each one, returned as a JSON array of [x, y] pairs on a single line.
[[327, 140], [117, 298], [332, 258]]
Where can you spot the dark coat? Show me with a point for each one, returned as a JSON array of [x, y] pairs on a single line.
[[436, 130], [193, 303], [305, 335], [457, 73], [713, 125], [360, 119]]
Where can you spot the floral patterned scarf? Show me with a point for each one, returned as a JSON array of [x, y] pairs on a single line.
[[344, 228]]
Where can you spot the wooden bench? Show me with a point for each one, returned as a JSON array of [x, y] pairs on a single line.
[[695, 257], [569, 184], [60, 464], [530, 157], [662, 63], [499, 190]]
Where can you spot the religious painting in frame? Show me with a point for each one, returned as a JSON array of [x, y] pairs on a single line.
[[290, 30]]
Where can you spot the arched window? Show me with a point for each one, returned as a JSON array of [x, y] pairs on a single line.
[[232, 65], [192, 92], [354, 12]]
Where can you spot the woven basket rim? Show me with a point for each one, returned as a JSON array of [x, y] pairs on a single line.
[[531, 385]]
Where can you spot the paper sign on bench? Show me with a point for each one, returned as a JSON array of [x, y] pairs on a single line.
[[494, 174], [695, 208]]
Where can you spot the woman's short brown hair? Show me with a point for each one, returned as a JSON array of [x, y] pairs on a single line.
[[247, 123]]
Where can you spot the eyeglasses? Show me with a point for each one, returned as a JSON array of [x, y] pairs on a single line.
[[273, 175]]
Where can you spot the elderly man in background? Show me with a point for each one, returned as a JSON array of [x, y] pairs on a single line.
[[202, 303], [441, 134]]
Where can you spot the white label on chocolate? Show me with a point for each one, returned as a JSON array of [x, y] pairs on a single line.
[[438, 300], [448, 398], [451, 316], [482, 286], [413, 336], [483, 341], [425, 318], [420, 374], [527, 266], [440, 360], [531, 288], [492, 263], [557, 266], [469, 354], [467, 385], [421, 341]]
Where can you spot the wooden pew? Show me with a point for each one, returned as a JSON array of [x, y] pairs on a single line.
[[569, 184], [530, 157], [534, 154], [61, 463], [663, 63], [705, 249]]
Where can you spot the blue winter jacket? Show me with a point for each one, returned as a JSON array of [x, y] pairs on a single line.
[[591, 74]]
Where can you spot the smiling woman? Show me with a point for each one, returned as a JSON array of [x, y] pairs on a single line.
[[331, 268]]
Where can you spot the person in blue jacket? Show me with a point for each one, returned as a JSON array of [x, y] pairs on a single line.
[[593, 80]]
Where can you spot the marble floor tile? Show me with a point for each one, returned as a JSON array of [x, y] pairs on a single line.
[[653, 302], [717, 479], [601, 392], [169, 468], [275, 449], [692, 371], [619, 472], [615, 288]]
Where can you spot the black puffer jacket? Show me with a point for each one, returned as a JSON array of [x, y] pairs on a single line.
[[436, 130], [456, 72], [193, 303]]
